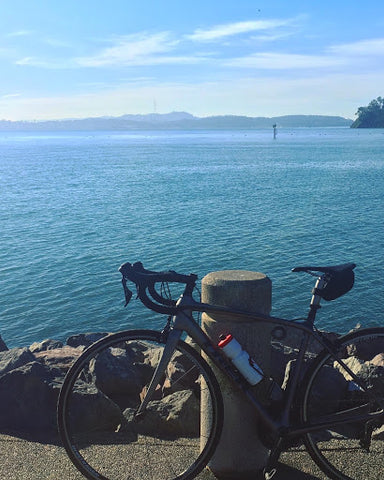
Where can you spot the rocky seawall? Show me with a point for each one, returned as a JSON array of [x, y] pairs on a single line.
[[31, 378], [30, 381]]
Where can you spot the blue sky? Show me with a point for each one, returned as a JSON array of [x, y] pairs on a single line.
[[81, 58]]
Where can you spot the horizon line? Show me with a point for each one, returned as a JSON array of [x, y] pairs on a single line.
[[157, 114]]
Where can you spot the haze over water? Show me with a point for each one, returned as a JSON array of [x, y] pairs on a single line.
[[75, 205]]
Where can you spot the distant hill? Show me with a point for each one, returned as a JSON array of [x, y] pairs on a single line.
[[177, 121], [371, 116]]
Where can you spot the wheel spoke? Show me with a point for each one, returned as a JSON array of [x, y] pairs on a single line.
[[353, 449], [104, 389]]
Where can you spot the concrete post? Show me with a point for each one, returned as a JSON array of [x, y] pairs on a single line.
[[240, 452]]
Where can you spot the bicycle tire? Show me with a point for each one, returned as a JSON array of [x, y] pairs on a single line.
[[101, 392], [341, 451]]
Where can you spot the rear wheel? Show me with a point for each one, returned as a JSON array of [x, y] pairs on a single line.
[[102, 391], [353, 450]]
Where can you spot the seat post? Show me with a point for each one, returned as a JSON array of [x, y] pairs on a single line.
[[316, 298]]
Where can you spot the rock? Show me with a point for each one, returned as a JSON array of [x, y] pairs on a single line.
[[367, 350], [3, 346], [28, 397], [378, 434], [378, 360], [178, 413], [93, 410], [329, 380], [351, 362], [373, 376], [30, 380], [116, 374], [59, 359], [47, 344], [85, 339], [14, 358], [180, 369], [281, 356]]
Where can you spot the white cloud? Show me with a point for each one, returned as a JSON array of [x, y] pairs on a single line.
[[137, 49], [284, 61], [372, 47], [226, 30], [10, 95], [19, 33], [25, 61], [41, 63]]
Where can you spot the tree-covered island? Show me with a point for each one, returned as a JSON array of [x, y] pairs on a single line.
[[371, 116]]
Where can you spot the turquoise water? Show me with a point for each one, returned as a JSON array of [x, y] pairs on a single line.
[[75, 205]]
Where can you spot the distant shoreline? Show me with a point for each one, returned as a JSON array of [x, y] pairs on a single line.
[[176, 121]]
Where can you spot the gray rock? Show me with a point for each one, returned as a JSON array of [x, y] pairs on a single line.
[[85, 339], [3, 346], [47, 344], [28, 397], [178, 413], [120, 372], [59, 360], [14, 358], [92, 410]]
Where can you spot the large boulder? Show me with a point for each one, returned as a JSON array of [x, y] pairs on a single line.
[[14, 358], [30, 384], [28, 397], [92, 410], [59, 360], [120, 373], [175, 414]]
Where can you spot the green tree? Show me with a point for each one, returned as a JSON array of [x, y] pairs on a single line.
[[371, 116]]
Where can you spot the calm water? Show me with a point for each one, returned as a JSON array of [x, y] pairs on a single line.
[[74, 206]]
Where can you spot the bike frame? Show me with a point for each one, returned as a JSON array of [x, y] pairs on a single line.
[[281, 427]]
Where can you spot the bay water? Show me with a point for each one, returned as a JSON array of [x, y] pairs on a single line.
[[75, 205]]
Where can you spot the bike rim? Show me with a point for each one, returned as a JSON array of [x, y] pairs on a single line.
[[342, 451], [102, 392]]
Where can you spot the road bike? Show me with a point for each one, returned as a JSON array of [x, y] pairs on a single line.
[[144, 404]]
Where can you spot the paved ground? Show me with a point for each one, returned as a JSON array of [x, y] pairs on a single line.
[[27, 459], [23, 459]]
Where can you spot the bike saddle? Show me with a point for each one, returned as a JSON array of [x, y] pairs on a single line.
[[332, 269]]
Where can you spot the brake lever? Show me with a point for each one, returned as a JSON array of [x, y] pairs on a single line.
[[127, 292]]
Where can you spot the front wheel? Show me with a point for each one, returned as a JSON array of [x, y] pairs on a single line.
[[353, 450], [103, 436]]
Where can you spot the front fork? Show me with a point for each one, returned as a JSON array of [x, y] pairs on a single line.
[[172, 340]]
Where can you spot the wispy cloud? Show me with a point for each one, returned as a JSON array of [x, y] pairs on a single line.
[[136, 49], [50, 64], [10, 95], [284, 61], [166, 48], [219, 32], [19, 33], [370, 47], [139, 49]]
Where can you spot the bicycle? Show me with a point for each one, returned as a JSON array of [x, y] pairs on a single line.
[[130, 405]]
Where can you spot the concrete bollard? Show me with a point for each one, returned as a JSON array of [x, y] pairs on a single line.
[[240, 453]]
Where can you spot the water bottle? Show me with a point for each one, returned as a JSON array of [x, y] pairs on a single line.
[[241, 359], [248, 367]]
